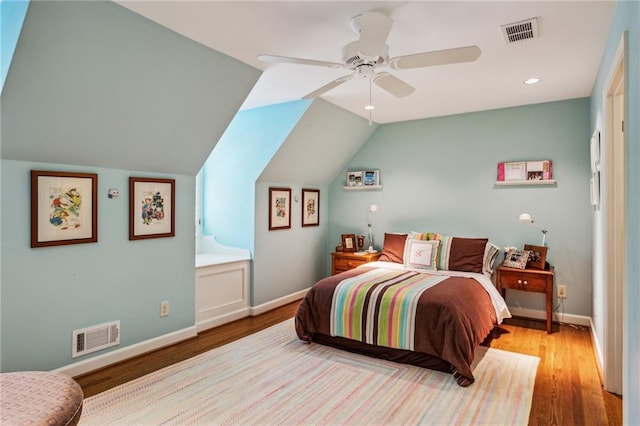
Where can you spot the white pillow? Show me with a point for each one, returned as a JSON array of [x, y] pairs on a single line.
[[421, 253]]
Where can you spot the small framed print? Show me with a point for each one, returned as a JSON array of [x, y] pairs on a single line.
[[279, 208], [516, 258], [371, 177], [349, 243], [537, 256], [64, 208], [310, 207], [354, 178], [151, 208]]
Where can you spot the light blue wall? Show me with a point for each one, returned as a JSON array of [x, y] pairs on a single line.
[[49, 292], [626, 19], [438, 175], [287, 262], [97, 88], [231, 171], [12, 14]]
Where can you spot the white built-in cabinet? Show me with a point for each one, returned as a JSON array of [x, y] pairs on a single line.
[[222, 285]]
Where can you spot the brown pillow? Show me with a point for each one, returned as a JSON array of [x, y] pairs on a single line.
[[393, 248], [467, 254]]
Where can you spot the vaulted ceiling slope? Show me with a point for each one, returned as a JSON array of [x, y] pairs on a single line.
[[565, 54], [92, 83], [319, 147]]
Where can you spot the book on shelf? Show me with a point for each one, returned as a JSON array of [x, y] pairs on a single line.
[[525, 170]]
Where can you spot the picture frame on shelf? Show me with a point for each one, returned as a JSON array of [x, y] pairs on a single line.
[[371, 177], [516, 258], [64, 208], [152, 205], [349, 243], [310, 207], [515, 171], [279, 208], [537, 256], [354, 178]]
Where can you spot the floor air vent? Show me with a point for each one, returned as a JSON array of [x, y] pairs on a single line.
[[519, 31], [95, 338]]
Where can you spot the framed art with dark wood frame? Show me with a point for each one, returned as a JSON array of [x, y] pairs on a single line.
[[349, 242], [537, 256], [279, 208], [310, 207], [64, 208], [152, 204]]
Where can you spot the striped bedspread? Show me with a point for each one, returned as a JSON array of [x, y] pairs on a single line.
[[379, 307]]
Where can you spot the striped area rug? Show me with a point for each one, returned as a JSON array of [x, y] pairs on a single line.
[[272, 378]]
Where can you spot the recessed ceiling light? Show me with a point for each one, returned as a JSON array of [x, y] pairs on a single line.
[[369, 107], [532, 80]]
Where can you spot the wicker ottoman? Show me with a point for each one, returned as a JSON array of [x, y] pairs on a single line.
[[39, 398]]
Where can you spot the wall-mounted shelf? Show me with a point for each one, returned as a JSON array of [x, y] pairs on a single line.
[[362, 187], [525, 182]]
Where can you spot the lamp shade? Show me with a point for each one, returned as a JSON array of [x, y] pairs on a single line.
[[525, 218]]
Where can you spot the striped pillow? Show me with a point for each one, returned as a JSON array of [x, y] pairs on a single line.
[[490, 253], [424, 236]]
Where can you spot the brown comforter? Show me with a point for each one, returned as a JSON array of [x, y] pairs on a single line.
[[453, 317]]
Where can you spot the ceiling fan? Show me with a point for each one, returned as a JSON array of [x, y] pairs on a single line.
[[370, 51]]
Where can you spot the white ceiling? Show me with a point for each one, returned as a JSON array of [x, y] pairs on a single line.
[[565, 56]]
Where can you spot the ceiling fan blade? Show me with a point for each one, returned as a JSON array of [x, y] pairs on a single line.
[[335, 83], [288, 60], [439, 57], [393, 85], [374, 30]]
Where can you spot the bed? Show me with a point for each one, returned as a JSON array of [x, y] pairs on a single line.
[[428, 301]]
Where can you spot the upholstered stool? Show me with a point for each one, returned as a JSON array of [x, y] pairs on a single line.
[[39, 398]]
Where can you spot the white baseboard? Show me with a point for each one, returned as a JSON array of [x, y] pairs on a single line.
[[265, 307], [100, 361], [222, 319], [556, 316], [598, 350]]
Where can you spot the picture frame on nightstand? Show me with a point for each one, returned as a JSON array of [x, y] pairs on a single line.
[[516, 258], [349, 243], [537, 256]]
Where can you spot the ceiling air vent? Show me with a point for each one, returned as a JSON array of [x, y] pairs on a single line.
[[519, 31]]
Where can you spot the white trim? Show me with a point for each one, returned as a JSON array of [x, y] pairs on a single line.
[[265, 307], [556, 316], [222, 319], [613, 228], [597, 349], [100, 361]]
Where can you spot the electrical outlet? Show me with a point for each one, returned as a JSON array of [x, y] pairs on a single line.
[[164, 308], [562, 292]]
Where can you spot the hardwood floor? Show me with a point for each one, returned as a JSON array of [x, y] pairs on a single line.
[[567, 389]]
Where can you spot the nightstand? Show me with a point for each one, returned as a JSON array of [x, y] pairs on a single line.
[[343, 261], [535, 280]]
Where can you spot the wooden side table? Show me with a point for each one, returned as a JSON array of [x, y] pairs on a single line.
[[535, 280], [343, 261]]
